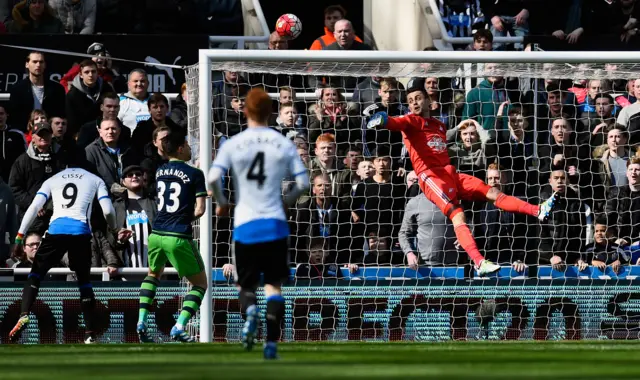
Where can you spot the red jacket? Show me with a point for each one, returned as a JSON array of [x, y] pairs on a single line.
[[327, 39], [66, 80]]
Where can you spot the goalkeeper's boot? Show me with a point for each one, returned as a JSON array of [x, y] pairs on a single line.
[[16, 332], [90, 338], [546, 207], [250, 327], [487, 267], [270, 351], [143, 333], [181, 335]]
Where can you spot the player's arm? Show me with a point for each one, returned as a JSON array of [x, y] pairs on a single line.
[[218, 170], [299, 173], [396, 123], [107, 207], [30, 215]]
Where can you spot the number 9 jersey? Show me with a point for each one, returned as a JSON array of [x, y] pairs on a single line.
[[259, 159]]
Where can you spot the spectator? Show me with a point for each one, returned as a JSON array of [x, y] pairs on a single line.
[[107, 154], [563, 235], [470, 155], [77, 16], [109, 109], [31, 244], [623, 205], [159, 107], [332, 14], [319, 265], [133, 104], [36, 17], [511, 16], [331, 115], [82, 102], [325, 160], [8, 222], [426, 235], [39, 163], [441, 100], [377, 251], [345, 38], [12, 145], [287, 94], [136, 211], [231, 119], [35, 92], [286, 121], [603, 252], [596, 125], [154, 157], [179, 113], [627, 112], [69, 151], [37, 116], [482, 40], [106, 71], [613, 161], [562, 152]]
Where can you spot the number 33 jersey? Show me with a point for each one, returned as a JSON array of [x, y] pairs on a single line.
[[259, 159], [178, 185], [72, 192]]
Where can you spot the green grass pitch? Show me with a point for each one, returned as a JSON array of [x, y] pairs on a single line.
[[305, 361]]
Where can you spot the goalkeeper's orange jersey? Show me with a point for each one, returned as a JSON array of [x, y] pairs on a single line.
[[425, 139]]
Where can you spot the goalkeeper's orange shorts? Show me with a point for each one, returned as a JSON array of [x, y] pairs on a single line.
[[445, 187]]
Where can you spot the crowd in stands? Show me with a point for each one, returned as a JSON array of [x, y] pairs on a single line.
[[365, 208]]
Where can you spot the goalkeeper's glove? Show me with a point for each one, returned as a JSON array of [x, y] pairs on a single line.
[[379, 119]]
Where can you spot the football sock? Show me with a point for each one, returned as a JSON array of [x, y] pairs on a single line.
[[513, 204], [190, 306], [30, 293], [275, 315], [468, 243], [247, 298], [88, 305], [147, 294]]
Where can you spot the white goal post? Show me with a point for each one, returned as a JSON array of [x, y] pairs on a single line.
[[566, 65]]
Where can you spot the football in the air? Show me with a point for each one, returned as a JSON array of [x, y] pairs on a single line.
[[289, 25]]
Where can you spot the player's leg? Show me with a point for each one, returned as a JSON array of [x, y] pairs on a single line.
[[47, 256], [247, 268], [80, 262], [276, 273], [157, 261], [184, 256], [512, 204]]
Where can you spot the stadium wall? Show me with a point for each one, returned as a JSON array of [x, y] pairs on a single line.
[[540, 310]]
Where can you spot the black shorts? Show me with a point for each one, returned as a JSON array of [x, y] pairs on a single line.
[[52, 250], [268, 258]]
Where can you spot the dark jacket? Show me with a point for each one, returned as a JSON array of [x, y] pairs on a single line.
[[308, 224], [21, 102], [11, 147], [27, 176], [23, 23], [179, 112], [623, 207], [89, 133], [83, 106], [607, 253], [143, 134], [109, 166]]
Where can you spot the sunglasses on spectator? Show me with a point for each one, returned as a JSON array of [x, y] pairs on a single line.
[[132, 174]]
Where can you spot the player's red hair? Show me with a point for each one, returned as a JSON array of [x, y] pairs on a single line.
[[258, 105], [326, 138]]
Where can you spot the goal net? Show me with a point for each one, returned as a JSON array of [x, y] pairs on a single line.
[[372, 258]]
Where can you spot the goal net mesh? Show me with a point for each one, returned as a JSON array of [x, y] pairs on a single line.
[[544, 128]]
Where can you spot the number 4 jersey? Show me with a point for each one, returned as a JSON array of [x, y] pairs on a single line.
[[260, 159], [178, 185]]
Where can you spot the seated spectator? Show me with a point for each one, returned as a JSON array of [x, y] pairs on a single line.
[[332, 14], [612, 160], [470, 155], [179, 113], [426, 236], [595, 125], [507, 17], [40, 162], [330, 115], [36, 17], [384, 139], [106, 70], [109, 109], [12, 145], [77, 16], [603, 252], [319, 264], [159, 108], [133, 104], [31, 244], [623, 205], [378, 252], [35, 92], [83, 99], [107, 154]]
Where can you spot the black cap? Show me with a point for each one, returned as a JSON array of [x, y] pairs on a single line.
[[97, 48], [43, 126], [132, 168]]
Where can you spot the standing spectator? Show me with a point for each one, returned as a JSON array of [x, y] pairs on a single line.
[[34, 16], [12, 145], [561, 152], [37, 116], [158, 107], [8, 222], [613, 161], [109, 109], [331, 115], [77, 16], [510, 16], [325, 161], [345, 38], [107, 154], [332, 14], [135, 211], [596, 125], [39, 163], [106, 71], [69, 151], [623, 205], [154, 157], [179, 113], [285, 123], [231, 119], [470, 155], [133, 104], [83, 99], [35, 92]]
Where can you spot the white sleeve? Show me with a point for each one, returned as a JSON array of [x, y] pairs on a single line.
[[301, 175], [105, 204], [220, 167], [37, 204], [102, 191]]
